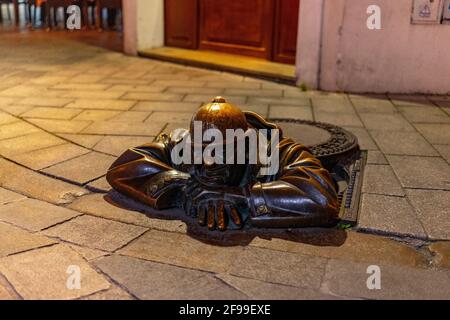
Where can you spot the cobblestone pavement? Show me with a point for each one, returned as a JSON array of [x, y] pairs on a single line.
[[68, 109]]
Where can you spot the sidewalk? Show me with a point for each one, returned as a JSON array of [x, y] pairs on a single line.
[[67, 110]]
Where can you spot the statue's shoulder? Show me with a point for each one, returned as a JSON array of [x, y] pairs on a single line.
[[259, 122]]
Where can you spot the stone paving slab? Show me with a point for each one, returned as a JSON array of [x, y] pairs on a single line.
[[35, 185], [130, 116], [403, 143], [46, 157], [96, 233], [350, 280], [280, 267], [114, 293], [16, 129], [15, 240], [386, 122], [376, 157], [87, 253], [42, 274], [45, 101], [260, 290], [365, 141], [410, 100], [51, 113], [373, 105], [169, 117], [92, 94], [83, 169], [444, 150], [162, 281], [304, 113], [88, 141], [380, 179], [5, 294], [103, 104], [7, 196], [34, 215], [433, 210], [435, 133], [390, 215], [100, 185], [7, 119], [96, 115], [125, 128], [339, 119], [15, 110], [421, 172], [116, 145], [60, 126], [182, 250], [333, 105], [28, 143], [425, 115], [166, 106]]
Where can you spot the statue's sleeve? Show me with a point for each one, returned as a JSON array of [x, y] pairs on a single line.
[[302, 187], [146, 175]]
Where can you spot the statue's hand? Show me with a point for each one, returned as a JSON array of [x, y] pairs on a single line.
[[214, 207]]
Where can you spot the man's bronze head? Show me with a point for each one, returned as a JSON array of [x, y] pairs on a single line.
[[220, 115]]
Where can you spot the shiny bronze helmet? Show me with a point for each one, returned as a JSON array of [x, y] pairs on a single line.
[[222, 116]]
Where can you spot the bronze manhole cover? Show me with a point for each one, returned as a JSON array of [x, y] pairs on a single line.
[[330, 143], [306, 134]]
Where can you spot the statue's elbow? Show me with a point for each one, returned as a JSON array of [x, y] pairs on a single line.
[[112, 177]]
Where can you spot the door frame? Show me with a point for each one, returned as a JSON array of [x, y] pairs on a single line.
[[146, 31]]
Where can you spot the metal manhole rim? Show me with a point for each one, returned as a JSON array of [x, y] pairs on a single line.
[[341, 140]]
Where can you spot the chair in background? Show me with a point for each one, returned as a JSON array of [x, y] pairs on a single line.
[[90, 7], [8, 9], [113, 7], [27, 3]]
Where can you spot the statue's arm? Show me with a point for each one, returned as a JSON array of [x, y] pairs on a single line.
[[304, 187], [144, 174]]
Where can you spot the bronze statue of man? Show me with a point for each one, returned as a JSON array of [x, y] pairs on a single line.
[[301, 193]]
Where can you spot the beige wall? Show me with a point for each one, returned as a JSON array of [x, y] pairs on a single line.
[[143, 24], [400, 58], [308, 58]]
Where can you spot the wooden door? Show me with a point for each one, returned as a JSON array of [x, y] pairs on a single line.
[[261, 28], [285, 30], [181, 23], [240, 27]]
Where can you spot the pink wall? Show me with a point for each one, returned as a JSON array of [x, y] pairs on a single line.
[[129, 27], [402, 57], [308, 59]]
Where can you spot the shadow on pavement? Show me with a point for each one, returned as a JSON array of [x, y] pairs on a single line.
[[331, 237]]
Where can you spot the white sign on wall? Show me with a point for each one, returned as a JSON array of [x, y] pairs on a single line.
[[447, 11], [427, 11]]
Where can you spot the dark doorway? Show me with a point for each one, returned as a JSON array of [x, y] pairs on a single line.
[[260, 28]]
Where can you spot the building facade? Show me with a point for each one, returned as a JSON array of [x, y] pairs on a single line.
[[361, 46]]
